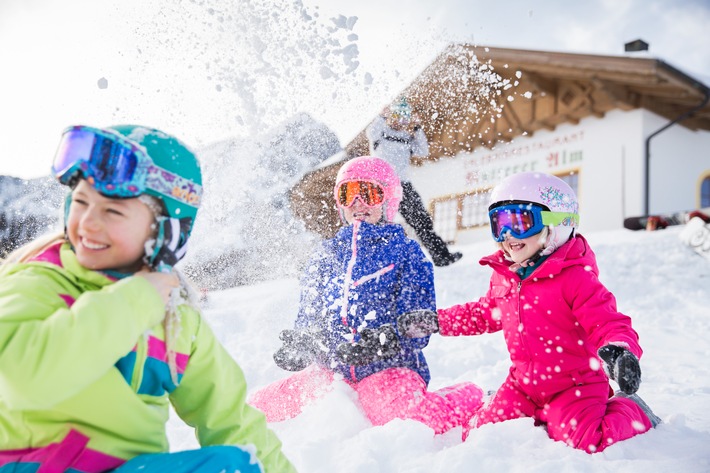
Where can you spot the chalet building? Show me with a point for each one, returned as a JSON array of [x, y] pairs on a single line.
[[630, 134]]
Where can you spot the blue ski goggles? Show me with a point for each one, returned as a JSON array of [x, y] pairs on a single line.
[[523, 220], [116, 167]]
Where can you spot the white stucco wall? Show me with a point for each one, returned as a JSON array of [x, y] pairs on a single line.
[[608, 153], [678, 157]]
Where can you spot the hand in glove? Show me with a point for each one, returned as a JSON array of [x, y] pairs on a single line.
[[299, 350], [375, 344], [622, 366], [418, 323]]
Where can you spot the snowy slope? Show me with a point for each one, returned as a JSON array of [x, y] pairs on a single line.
[[658, 281]]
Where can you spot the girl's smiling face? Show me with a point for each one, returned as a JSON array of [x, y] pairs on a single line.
[[521, 250], [359, 211], [108, 233]]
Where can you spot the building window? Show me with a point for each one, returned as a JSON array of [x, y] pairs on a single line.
[[445, 217], [705, 192], [474, 209]]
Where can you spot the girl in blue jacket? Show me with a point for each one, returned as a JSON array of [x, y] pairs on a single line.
[[352, 292]]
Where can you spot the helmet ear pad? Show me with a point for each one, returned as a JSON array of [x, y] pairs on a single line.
[[169, 244], [557, 236]]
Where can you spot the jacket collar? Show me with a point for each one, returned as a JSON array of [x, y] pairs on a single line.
[[575, 252], [369, 231], [87, 276]]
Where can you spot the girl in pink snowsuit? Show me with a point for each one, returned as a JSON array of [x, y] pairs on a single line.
[[565, 337]]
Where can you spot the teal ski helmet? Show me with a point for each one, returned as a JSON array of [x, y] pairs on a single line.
[[172, 155], [127, 161]]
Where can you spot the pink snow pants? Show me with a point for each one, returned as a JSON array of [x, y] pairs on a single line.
[[395, 393], [582, 416]]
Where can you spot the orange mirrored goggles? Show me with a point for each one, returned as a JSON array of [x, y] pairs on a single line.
[[370, 194]]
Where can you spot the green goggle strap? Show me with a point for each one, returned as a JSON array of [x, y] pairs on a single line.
[[567, 219]]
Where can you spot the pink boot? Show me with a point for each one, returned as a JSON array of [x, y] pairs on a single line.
[[285, 399], [465, 399]]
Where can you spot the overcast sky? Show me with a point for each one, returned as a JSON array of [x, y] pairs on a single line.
[[206, 70]]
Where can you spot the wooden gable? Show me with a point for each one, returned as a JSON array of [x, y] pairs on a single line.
[[475, 96]]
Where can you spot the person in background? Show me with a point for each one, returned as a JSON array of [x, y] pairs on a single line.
[[565, 336], [352, 291], [396, 136], [100, 334]]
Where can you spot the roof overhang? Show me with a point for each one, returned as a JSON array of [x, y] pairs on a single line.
[[477, 96]]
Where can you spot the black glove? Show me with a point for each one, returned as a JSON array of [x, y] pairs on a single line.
[[299, 350], [622, 366], [418, 323], [375, 344]]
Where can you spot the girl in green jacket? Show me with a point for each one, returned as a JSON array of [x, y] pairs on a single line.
[[100, 335]]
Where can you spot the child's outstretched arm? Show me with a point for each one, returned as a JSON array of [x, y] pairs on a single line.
[[610, 332], [471, 318], [416, 295]]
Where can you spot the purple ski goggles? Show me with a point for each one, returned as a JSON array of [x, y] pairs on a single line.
[[115, 166], [523, 220]]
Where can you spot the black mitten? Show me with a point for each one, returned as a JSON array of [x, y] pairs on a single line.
[[418, 323], [299, 350], [622, 366], [376, 344]]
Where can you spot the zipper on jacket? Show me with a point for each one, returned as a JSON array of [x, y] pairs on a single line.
[[520, 318]]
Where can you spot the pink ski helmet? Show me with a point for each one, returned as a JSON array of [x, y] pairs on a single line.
[[543, 189], [378, 171]]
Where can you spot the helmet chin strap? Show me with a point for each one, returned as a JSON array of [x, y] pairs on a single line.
[[533, 259]]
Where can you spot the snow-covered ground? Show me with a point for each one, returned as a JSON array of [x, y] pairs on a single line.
[[661, 283]]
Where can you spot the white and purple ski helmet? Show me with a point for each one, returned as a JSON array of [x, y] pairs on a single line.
[[543, 189]]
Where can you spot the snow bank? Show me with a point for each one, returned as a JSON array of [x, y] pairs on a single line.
[[661, 283]]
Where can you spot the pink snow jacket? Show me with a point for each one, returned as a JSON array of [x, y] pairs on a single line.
[[553, 321]]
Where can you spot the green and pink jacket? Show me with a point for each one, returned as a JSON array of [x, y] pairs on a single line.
[[84, 381]]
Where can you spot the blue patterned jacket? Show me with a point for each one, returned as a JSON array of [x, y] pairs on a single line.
[[390, 276]]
